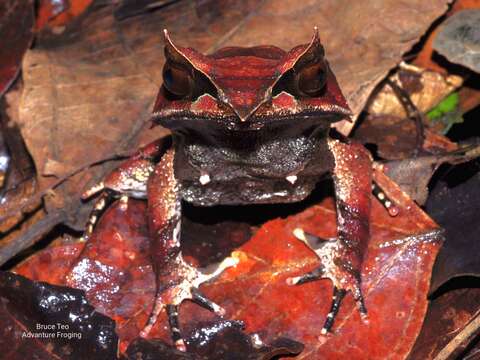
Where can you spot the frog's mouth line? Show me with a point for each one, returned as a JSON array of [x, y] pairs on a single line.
[[185, 119]]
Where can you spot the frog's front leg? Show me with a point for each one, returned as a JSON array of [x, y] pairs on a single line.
[[127, 180], [342, 257], [176, 280]]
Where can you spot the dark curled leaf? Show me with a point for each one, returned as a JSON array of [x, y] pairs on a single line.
[[283, 346], [225, 340], [142, 349], [220, 340], [44, 321], [456, 209], [459, 39], [449, 317]]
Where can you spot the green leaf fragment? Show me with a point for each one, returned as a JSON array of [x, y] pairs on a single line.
[[446, 112], [448, 104]]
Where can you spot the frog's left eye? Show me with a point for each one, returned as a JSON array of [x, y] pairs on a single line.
[[311, 79], [178, 81]]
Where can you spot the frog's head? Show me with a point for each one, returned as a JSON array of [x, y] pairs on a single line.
[[246, 88]]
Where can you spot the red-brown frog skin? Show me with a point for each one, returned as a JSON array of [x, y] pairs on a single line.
[[249, 125]]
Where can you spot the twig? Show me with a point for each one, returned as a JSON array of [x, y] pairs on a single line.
[[412, 113], [36, 197], [463, 336], [31, 235]]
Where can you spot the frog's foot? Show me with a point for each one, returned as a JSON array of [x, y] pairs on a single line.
[[335, 268], [129, 180], [185, 287]]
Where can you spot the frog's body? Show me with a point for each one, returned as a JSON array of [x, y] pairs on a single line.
[[249, 125], [252, 166]]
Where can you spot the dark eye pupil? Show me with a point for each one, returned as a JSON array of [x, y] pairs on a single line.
[[311, 79], [177, 81]]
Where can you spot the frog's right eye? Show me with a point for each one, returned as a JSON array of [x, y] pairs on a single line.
[[310, 80], [178, 81]]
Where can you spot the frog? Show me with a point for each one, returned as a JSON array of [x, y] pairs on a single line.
[[248, 125]]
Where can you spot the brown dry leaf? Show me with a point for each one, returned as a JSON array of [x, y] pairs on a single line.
[[387, 126], [89, 91], [20, 183], [395, 138], [425, 87]]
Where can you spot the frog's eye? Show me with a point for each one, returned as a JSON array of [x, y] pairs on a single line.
[[178, 81], [307, 80], [311, 79]]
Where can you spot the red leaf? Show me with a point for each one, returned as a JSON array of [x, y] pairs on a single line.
[[114, 271], [53, 13], [16, 24], [51, 264]]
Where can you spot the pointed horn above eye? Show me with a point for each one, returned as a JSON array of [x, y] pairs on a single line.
[[168, 42], [166, 36], [171, 51], [304, 53], [186, 56], [313, 49], [316, 36]]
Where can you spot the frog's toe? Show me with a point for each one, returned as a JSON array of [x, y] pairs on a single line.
[[172, 315], [339, 292], [310, 276], [208, 304], [338, 295], [332, 267]]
